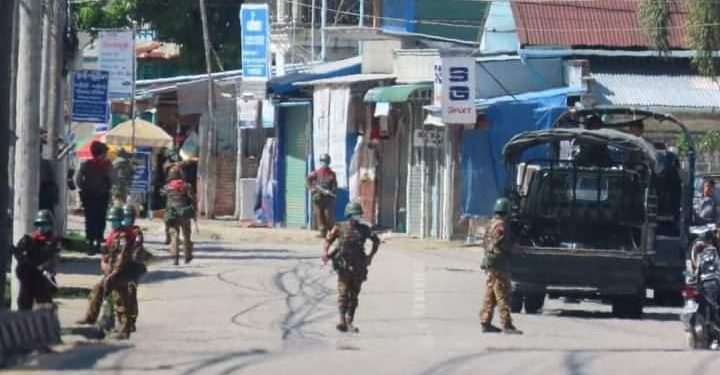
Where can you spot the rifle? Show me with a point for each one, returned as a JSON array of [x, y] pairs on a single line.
[[325, 191]]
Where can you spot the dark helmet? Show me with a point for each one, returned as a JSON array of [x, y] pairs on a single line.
[[175, 173], [353, 209], [502, 206], [44, 217], [115, 213], [98, 148], [44, 221], [129, 214], [325, 159], [123, 153]]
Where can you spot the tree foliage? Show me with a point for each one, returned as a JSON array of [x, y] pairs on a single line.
[[175, 21], [709, 142], [703, 28]]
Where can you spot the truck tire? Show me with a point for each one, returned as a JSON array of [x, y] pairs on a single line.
[[516, 301], [671, 298], [628, 307], [534, 302]]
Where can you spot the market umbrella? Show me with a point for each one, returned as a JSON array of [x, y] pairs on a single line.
[[146, 134], [83, 152]]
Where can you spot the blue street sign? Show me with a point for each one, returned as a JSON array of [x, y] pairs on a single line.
[[90, 96], [141, 178], [255, 35]]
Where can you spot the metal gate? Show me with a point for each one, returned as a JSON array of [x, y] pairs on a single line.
[[297, 120]]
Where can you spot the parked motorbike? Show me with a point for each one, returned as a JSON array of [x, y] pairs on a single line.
[[701, 311]]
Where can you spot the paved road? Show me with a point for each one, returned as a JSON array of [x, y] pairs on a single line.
[[270, 309]]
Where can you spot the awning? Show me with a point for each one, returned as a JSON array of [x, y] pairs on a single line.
[[397, 93], [482, 104], [285, 84]]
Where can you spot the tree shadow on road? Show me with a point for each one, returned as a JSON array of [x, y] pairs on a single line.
[[586, 314]]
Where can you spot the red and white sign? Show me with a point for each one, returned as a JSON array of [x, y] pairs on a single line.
[[455, 89]]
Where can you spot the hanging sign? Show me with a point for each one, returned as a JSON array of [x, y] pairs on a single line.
[[456, 78], [90, 96], [255, 40], [141, 177], [116, 52]]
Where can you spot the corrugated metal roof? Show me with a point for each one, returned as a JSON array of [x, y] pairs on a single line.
[[677, 91], [582, 23]]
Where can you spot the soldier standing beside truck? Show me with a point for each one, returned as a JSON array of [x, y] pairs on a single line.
[[499, 244]]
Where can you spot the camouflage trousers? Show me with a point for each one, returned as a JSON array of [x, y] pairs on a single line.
[[348, 286], [175, 227], [123, 293], [324, 209], [497, 294]]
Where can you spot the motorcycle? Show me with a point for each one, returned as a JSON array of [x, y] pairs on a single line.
[[701, 310]]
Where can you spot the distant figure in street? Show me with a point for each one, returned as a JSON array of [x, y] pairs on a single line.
[[499, 244], [179, 213], [322, 184], [122, 177], [350, 261], [706, 211], [37, 255], [95, 181]]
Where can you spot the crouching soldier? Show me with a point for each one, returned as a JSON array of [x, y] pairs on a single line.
[[37, 254], [179, 212], [118, 277], [350, 261]]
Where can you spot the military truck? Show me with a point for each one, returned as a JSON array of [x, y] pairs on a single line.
[[599, 213]]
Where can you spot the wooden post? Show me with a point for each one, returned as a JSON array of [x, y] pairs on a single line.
[[6, 56], [210, 141], [27, 149]]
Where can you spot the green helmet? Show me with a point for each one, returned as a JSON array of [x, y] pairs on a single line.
[[502, 206], [325, 159], [44, 217], [129, 214], [353, 209], [115, 213]]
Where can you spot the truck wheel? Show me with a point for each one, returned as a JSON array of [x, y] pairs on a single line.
[[534, 302], [516, 301], [669, 298], [628, 307]]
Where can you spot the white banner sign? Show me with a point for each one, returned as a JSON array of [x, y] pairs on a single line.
[[457, 99], [116, 52]]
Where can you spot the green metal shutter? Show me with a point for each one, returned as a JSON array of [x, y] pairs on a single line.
[[295, 192]]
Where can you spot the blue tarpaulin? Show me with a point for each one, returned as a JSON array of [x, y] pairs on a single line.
[[482, 164]]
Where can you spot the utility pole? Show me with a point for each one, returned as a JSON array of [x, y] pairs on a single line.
[[27, 149], [55, 107], [7, 8], [210, 143], [323, 25]]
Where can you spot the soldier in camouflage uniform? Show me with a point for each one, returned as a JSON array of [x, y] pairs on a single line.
[[179, 213], [118, 276], [499, 244], [350, 261], [322, 183], [135, 269], [122, 179]]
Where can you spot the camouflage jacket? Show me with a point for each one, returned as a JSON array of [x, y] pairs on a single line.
[[349, 255], [37, 251], [120, 246], [322, 179], [122, 172], [498, 245]]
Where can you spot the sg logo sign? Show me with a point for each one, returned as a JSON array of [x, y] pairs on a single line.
[[459, 74]]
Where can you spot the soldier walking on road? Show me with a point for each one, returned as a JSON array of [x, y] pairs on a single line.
[[179, 213], [350, 261], [37, 255], [322, 184], [499, 244]]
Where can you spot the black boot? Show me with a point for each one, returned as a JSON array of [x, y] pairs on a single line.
[[511, 330], [342, 325], [350, 318], [489, 328]]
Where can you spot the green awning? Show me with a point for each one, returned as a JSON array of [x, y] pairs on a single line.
[[397, 93]]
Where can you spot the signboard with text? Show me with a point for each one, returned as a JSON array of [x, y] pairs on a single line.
[[141, 178], [90, 96], [116, 51], [255, 36], [455, 82]]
